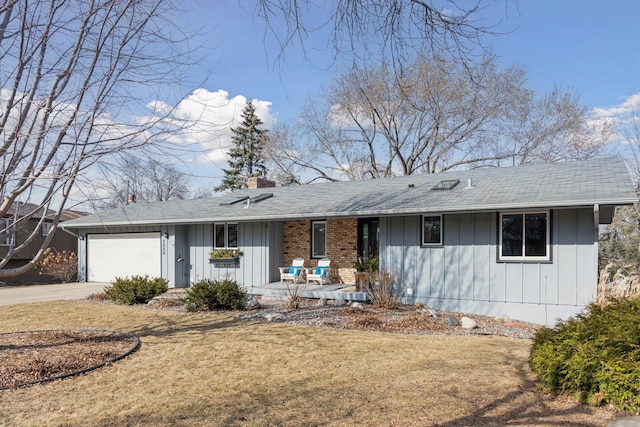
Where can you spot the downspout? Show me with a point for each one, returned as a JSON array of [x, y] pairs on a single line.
[[596, 224]]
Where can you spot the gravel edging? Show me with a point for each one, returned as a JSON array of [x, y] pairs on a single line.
[[417, 319]]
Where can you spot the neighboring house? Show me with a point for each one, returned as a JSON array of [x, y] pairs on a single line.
[[20, 233], [519, 241]]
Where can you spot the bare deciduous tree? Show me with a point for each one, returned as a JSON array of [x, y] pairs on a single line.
[[436, 115], [630, 130], [147, 179], [72, 79], [376, 29]]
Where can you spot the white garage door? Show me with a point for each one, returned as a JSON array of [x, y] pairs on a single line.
[[119, 255]]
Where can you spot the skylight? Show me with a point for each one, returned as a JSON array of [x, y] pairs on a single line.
[[261, 197], [234, 201], [447, 184]]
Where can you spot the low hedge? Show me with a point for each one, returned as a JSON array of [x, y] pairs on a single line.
[[594, 356], [214, 295], [135, 289]]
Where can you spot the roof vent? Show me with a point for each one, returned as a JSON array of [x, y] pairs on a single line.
[[447, 184], [470, 185]]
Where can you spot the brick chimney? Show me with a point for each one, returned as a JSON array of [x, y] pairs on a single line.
[[257, 182], [131, 198]]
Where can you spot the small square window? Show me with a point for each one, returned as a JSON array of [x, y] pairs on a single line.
[[225, 235], [46, 228], [432, 230], [7, 234]]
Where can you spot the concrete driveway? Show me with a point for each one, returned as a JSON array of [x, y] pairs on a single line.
[[24, 294]]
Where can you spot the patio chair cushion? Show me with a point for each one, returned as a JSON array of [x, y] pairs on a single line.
[[295, 270], [322, 270]]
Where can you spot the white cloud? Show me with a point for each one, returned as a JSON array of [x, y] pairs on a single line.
[[217, 156], [619, 117], [205, 118], [630, 105]]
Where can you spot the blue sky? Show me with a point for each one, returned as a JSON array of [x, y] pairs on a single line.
[[585, 46]]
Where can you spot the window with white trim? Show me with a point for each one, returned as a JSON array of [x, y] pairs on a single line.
[[524, 236], [225, 235], [7, 237], [318, 239], [431, 230], [46, 228]]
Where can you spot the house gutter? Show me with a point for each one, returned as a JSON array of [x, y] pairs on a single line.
[[237, 215], [70, 232]]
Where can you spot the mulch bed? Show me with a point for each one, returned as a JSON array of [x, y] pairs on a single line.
[[34, 356]]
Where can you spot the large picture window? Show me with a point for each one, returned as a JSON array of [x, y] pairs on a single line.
[[524, 236], [225, 235], [318, 239], [431, 230]]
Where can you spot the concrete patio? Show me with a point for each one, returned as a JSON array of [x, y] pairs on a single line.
[[281, 291]]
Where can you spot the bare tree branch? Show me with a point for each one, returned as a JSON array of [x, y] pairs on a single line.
[[73, 77], [390, 30]]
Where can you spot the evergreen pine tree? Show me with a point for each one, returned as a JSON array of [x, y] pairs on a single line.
[[245, 157]]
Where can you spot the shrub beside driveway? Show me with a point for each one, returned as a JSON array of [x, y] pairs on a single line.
[[212, 369]]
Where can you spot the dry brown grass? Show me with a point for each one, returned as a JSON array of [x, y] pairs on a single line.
[[210, 369]]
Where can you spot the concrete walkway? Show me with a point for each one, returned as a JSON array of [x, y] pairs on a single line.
[[25, 294]]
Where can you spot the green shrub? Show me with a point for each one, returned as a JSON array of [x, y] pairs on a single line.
[[594, 356], [225, 253], [366, 265], [135, 289], [214, 295]]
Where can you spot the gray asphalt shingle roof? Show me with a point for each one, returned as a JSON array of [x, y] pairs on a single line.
[[555, 185]]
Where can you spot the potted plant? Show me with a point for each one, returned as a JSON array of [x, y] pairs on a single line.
[[225, 257], [365, 267]]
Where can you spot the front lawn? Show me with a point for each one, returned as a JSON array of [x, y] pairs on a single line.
[[214, 370]]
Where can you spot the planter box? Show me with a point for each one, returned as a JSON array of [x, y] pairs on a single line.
[[362, 281], [225, 262]]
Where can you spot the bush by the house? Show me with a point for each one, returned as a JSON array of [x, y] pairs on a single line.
[[382, 290], [59, 265], [594, 356], [214, 295], [135, 289]]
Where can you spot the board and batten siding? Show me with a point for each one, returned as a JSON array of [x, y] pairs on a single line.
[[260, 242], [185, 252], [464, 274]]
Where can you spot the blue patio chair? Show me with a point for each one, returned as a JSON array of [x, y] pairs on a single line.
[[320, 274], [292, 273]]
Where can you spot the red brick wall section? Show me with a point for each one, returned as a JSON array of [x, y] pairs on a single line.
[[342, 240]]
